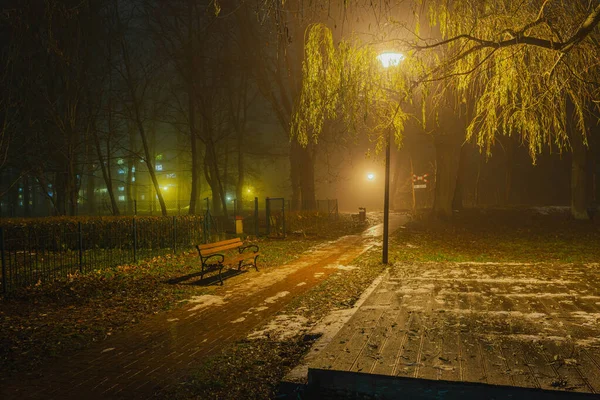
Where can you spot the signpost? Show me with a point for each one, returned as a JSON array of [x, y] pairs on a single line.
[[420, 181]]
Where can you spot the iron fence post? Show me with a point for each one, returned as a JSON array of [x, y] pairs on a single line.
[[80, 245], [268, 213], [3, 258], [134, 240]]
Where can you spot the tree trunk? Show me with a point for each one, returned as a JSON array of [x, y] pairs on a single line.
[[578, 177], [295, 174], [138, 118], [26, 197], [239, 194], [459, 191], [509, 149], [192, 114], [302, 176], [211, 172], [447, 154]]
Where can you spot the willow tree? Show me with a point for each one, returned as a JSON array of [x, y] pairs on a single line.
[[527, 69]]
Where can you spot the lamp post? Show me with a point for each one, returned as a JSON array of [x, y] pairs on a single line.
[[387, 60]]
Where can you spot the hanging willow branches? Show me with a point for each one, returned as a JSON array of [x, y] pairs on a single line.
[[518, 63]]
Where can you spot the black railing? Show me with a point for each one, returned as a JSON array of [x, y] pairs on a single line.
[[43, 252]]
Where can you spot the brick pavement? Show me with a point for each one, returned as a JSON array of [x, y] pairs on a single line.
[[156, 353]]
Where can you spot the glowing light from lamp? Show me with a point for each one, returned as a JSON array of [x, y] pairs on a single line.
[[370, 176], [390, 59]]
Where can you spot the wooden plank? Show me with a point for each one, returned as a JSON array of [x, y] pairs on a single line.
[[561, 355], [589, 361], [339, 343], [217, 250], [218, 244], [393, 346], [371, 352], [347, 357]]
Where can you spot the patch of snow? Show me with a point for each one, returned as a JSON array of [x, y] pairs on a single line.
[[342, 267], [172, 319], [205, 301], [407, 290], [319, 274], [301, 284], [545, 210], [108, 349], [237, 321], [531, 281], [255, 309], [282, 327], [278, 296]]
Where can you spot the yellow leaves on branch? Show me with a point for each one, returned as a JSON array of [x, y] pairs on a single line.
[[347, 82]]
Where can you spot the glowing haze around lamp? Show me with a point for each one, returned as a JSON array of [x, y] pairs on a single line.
[[370, 176]]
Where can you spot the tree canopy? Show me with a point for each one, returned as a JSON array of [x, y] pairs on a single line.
[[521, 66]]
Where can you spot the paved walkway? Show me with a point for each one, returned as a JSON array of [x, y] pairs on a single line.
[[530, 325], [156, 353]]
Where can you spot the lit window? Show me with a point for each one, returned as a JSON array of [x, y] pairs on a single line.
[[121, 188], [20, 203], [20, 189], [143, 197], [132, 169], [171, 176], [159, 156], [120, 161], [121, 171], [133, 179], [159, 167], [121, 198]]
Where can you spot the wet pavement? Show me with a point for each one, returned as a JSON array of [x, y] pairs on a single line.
[[158, 352], [528, 325]]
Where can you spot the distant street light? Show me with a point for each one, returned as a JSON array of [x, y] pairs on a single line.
[[370, 176], [387, 60]]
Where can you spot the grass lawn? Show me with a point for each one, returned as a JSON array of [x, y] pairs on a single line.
[[61, 317]]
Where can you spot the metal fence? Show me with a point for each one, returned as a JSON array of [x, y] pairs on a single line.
[[45, 252]]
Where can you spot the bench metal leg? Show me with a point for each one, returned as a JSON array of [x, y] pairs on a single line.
[[220, 269], [255, 267]]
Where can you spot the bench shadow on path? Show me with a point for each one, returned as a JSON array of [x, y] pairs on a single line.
[[207, 281]]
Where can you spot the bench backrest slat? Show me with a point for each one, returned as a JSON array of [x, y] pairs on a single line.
[[219, 244], [220, 247]]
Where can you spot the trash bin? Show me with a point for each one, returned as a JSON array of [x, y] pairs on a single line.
[[239, 224], [362, 214]]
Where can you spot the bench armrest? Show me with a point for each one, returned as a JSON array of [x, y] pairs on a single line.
[[205, 259], [241, 249]]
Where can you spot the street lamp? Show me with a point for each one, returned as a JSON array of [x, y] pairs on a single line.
[[387, 60], [370, 176]]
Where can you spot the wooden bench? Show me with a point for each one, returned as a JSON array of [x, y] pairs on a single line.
[[212, 257]]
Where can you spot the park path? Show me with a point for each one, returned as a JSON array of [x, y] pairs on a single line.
[[520, 325], [156, 353]]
